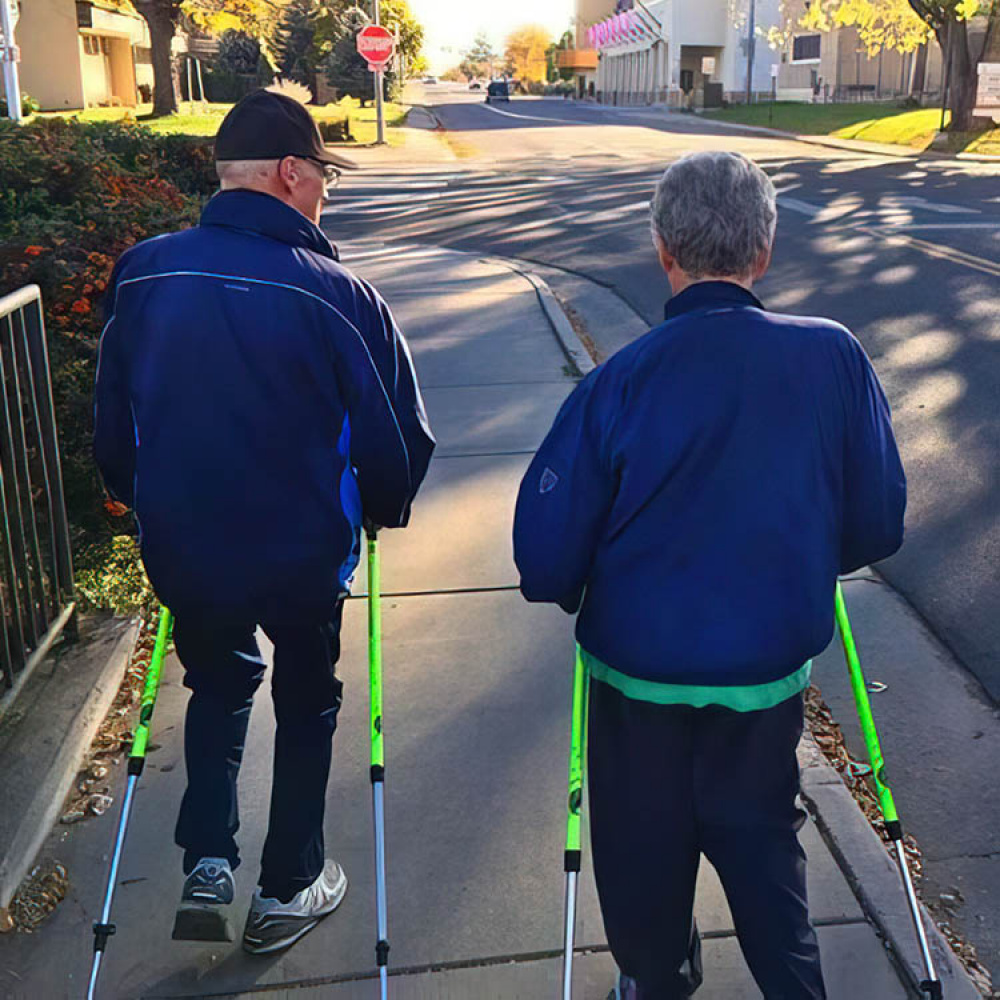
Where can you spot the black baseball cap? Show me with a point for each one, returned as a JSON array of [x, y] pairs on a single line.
[[268, 126]]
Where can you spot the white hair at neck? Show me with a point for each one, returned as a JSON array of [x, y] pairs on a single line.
[[246, 173]]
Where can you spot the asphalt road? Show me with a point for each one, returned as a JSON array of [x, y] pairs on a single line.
[[904, 251]]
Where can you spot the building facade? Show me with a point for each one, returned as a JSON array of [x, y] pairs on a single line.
[[693, 53], [85, 54], [835, 65], [680, 52]]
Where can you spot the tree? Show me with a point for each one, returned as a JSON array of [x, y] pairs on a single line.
[[525, 52], [293, 48], [163, 16], [344, 67], [480, 59], [553, 71], [965, 29]]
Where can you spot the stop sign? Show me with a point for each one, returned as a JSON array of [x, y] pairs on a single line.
[[376, 45]]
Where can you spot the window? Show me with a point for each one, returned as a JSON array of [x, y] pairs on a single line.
[[91, 45], [105, 45], [143, 55], [805, 48]]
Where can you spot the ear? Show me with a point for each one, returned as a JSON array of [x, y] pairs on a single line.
[[290, 173], [763, 263], [667, 260]]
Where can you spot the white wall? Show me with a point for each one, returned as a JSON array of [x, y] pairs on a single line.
[[50, 54]]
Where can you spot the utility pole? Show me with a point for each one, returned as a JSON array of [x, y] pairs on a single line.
[[751, 47], [379, 88], [8, 55]]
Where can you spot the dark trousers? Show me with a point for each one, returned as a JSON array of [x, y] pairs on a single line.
[[669, 783], [223, 669]]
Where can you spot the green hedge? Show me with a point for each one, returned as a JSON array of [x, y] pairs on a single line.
[[73, 197]]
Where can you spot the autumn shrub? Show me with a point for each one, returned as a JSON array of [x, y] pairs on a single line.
[[73, 197]]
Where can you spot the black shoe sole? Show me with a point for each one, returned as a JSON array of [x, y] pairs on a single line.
[[201, 922]]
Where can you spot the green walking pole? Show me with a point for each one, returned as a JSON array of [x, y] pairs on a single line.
[[931, 985], [103, 929], [571, 857], [378, 758]]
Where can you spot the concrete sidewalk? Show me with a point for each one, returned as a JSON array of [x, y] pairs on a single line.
[[477, 693]]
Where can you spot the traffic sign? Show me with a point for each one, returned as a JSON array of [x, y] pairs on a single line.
[[376, 45]]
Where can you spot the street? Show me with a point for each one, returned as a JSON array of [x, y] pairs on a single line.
[[904, 250]]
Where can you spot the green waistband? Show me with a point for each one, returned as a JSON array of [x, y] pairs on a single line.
[[739, 698]]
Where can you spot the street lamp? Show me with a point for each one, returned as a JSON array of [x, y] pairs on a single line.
[[751, 46]]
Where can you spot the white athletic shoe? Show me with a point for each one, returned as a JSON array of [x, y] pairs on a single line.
[[273, 925]]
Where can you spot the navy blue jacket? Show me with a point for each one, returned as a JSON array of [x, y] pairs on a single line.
[[255, 400], [701, 490]]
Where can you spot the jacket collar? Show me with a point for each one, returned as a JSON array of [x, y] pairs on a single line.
[[709, 294], [264, 214]]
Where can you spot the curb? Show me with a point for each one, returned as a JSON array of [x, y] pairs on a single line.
[[41, 814], [874, 878], [572, 346]]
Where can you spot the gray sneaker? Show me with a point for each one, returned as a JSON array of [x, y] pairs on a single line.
[[207, 890], [273, 925]]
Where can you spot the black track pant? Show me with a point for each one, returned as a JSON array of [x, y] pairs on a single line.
[[223, 669], [669, 783]]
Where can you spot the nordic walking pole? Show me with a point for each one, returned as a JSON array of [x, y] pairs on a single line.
[[103, 929], [931, 985], [571, 858], [378, 757]]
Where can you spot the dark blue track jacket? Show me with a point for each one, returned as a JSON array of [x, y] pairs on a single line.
[[700, 492], [254, 401]]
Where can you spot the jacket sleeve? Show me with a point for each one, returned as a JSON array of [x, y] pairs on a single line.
[[874, 481], [114, 428], [391, 440], [565, 499]]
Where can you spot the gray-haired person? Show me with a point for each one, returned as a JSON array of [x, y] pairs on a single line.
[[695, 501]]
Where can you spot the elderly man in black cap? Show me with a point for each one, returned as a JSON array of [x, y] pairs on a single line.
[[256, 404]]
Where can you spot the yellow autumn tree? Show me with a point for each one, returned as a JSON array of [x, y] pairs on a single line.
[[525, 52], [904, 25]]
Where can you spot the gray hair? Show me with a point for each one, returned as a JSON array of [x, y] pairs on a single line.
[[715, 214], [243, 173]]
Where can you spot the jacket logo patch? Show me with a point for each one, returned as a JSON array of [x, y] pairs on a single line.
[[548, 481]]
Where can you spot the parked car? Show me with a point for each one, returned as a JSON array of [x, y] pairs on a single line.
[[430, 79], [475, 85], [497, 91]]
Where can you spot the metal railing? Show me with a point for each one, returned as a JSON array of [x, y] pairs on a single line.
[[36, 565]]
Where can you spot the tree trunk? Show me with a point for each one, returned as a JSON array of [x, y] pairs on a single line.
[[162, 16], [919, 72], [964, 80]]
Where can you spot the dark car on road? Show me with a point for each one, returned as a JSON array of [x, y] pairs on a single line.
[[497, 91]]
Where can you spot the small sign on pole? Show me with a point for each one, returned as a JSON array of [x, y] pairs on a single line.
[[708, 65], [988, 91], [376, 46]]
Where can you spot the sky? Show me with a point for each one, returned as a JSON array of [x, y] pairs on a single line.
[[451, 25]]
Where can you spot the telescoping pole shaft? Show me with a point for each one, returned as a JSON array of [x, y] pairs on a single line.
[[931, 985], [574, 802], [378, 759], [103, 929]]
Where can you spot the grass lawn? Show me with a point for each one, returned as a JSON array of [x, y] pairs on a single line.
[[199, 119], [875, 122]]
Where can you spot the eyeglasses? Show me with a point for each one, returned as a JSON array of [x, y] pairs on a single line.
[[331, 175]]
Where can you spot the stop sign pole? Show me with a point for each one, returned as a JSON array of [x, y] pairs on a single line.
[[379, 88], [376, 46]]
